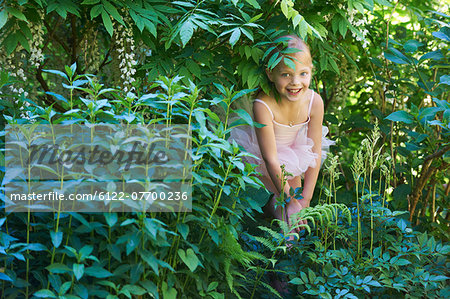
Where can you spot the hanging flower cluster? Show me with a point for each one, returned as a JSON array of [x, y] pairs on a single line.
[[125, 48], [359, 23], [91, 51], [15, 67], [37, 31]]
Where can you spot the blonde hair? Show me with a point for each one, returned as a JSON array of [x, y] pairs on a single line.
[[290, 41]]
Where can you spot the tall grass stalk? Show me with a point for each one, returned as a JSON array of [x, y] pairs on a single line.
[[357, 170], [192, 101], [333, 175], [373, 157]]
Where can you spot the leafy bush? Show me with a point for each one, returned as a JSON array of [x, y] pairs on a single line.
[[130, 254], [150, 52]]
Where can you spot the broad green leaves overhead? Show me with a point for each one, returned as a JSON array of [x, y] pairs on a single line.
[[171, 30]]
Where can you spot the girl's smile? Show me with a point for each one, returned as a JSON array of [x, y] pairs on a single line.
[[292, 84]]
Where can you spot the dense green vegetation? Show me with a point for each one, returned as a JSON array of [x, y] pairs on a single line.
[[378, 225]]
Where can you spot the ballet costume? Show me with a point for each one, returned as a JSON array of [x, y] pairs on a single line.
[[294, 148]]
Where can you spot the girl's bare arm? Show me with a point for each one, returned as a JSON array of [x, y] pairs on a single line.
[[315, 133], [267, 145]]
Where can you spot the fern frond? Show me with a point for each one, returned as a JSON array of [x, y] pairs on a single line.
[[256, 256], [266, 243], [228, 276], [236, 293], [304, 226], [283, 226], [273, 234], [346, 211], [298, 218], [312, 213], [272, 290]]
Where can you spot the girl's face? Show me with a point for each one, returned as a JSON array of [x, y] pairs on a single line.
[[292, 85]]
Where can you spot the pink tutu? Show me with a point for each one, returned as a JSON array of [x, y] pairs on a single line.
[[297, 156], [294, 148]]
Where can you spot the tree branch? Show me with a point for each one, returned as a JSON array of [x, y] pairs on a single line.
[[73, 24], [65, 47], [46, 98], [437, 154]]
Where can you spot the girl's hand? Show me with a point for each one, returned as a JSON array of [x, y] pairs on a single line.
[[296, 207]]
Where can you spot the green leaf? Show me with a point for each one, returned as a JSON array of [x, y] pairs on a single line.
[[111, 218], [128, 222], [333, 64], [297, 19], [434, 55], [189, 258], [78, 270], [56, 238], [133, 289], [235, 36], [58, 268], [168, 293], [274, 60], [214, 235], [61, 11], [5, 277], [96, 11], [444, 79], [401, 116], [359, 7], [97, 271], [402, 262], [296, 281], [384, 3], [35, 247], [186, 32], [183, 229], [23, 41], [438, 278], [107, 22], [64, 288], [411, 46], [138, 20], [212, 286], [150, 27], [90, 2], [254, 3], [113, 12], [247, 33], [17, 13], [132, 243], [245, 116], [59, 73], [289, 63], [441, 35], [394, 58], [311, 275], [44, 293], [343, 27], [58, 96], [85, 251], [303, 29], [151, 260], [11, 42], [3, 18]]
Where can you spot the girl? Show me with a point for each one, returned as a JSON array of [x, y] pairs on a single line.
[[293, 134]]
